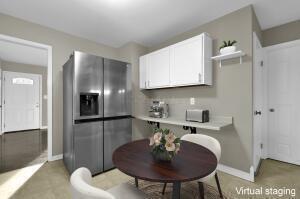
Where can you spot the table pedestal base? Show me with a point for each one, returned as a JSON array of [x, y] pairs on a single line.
[[176, 190]]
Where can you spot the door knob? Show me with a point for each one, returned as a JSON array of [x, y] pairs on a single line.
[[257, 113]]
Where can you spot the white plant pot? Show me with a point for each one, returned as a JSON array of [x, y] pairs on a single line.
[[227, 50]]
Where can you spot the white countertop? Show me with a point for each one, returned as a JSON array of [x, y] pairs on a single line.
[[215, 123]]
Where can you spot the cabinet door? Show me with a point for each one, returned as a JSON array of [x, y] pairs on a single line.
[[143, 72], [158, 68], [187, 62]]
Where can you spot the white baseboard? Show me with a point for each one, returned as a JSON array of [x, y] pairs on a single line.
[[238, 173], [56, 157], [44, 127]]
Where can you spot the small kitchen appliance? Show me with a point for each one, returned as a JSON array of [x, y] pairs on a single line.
[[197, 115], [159, 109]]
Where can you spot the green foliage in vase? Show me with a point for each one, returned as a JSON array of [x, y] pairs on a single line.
[[164, 142]]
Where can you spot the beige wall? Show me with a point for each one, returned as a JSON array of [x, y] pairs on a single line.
[[256, 26], [231, 93], [63, 45], [26, 68], [284, 33]]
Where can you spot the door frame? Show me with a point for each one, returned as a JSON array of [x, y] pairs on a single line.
[[40, 98], [48, 48], [266, 95], [254, 40]]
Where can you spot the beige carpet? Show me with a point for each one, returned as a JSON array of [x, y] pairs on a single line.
[[189, 190]]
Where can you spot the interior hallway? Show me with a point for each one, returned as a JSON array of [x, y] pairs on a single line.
[[23, 148]]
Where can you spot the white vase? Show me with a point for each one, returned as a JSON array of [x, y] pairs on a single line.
[[227, 50]]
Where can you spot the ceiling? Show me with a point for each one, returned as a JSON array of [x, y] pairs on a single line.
[[148, 22], [19, 53]]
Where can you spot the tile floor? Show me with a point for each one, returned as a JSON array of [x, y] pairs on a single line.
[[52, 180]]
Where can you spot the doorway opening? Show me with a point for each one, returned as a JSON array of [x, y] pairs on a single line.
[[26, 103]]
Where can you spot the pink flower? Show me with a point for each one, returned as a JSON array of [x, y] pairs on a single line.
[[157, 137], [170, 137], [170, 146], [151, 141]]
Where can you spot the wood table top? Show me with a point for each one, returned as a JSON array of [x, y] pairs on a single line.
[[191, 163]]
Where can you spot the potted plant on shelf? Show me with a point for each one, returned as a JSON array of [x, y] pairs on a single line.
[[228, 47], [165, 145]]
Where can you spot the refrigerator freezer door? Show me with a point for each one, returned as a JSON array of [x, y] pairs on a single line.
[[116, 133], [117, 88], [88, 146], [88, 80]]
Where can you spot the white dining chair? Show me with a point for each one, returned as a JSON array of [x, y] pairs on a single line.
[[81, 188], [214, 146]]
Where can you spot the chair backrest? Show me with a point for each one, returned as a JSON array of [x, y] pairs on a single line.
[[206, 141], [82, 189]]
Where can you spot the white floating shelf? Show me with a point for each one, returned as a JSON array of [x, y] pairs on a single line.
[[216, 122], [236, 54]]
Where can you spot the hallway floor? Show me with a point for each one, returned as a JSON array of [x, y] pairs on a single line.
[[23, 148], [52, 181]]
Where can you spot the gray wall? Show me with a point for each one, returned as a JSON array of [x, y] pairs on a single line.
[[63, 44], [283, 33], [231, 93], [26, 68]]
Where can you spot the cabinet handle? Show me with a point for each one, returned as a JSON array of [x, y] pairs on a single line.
[[148, 83], [145, 84]]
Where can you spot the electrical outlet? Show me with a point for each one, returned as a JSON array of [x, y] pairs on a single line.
[[192, 101]]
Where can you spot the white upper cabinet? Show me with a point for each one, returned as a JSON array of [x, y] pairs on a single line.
[[158, 68], [191, 61], [143, 72], [182, 64]]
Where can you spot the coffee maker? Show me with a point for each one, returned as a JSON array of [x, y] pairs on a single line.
[[159, 109]]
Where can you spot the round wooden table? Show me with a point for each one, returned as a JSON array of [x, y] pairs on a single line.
[[191, 163]]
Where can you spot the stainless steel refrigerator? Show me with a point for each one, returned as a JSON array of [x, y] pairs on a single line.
[[97, 110]]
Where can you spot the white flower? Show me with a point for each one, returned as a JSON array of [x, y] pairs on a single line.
[[151, 141], [170, 137], [170, 146], [157, 137]]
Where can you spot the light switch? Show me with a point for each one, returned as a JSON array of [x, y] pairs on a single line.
[[192, 101]]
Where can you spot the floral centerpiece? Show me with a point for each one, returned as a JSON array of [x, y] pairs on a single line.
[[165, 145]]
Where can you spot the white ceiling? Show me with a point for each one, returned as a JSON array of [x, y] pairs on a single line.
[[149, 22], [18, 53]]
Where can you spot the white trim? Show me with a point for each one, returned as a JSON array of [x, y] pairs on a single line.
[[44, 127], [238, 173], [49, 81], [41, 100], [56, 157]]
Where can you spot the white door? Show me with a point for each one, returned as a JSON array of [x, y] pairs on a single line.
[[187, 62], [283, 102], [21, 101], [158, 68], [257, 101]]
